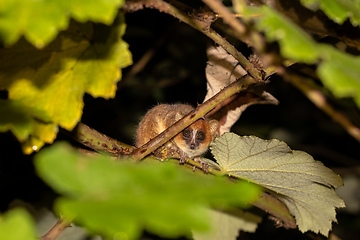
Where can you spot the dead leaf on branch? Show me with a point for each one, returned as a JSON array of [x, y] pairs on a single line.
[[221, 70]]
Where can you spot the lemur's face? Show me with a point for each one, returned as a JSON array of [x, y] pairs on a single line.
[[195, 139]]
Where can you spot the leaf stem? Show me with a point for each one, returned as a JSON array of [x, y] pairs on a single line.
[[56, 230]]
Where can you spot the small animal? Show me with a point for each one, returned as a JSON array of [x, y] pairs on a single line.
[[191, 143]]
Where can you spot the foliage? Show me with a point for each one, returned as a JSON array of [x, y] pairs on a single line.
[[54, 52], [294, 42], [16, 117], [226, 225], [50, 83], [339, 71], [304, 185], [118, 198], [41, 21], [338, 10], [17, 224]]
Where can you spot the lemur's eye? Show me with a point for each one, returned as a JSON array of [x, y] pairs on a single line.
[[200, 135], [186, 133]]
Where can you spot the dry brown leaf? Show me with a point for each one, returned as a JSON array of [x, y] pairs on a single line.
[[221, 70]]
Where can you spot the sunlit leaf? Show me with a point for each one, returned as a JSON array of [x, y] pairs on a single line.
[[40, 21], [340, 73], [337, 10], [295, 44], [15, 117], [17, 224], [52, 81], [123, 198], [304, 185]]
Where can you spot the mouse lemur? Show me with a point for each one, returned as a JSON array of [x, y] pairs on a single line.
[[192, 142]]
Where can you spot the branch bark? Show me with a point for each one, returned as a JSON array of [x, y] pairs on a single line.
[[239, 85], [318, 98], [315, 21], [56, 230], [277, 209], [99, 141], [266, 202], [202, 23]]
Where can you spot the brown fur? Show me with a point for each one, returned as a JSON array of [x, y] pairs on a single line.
[[162, 116]]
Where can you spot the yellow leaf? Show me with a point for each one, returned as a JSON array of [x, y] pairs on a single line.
[[53, 81]]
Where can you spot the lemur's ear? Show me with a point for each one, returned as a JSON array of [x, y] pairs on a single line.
[[178, 116], [213, 125]]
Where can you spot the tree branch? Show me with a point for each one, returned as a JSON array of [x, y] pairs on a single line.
[[228, 17], [310, 91], [317, 97], [99, 141], [237, 86], [266, 202], [56, 230], [315, 21], [277, 209], [202, 23]]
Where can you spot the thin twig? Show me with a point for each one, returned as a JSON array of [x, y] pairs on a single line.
[[318, 98], [199, 112], [277, 209], [226, 15], [99, 141], [56, 230], [239, 30], [143, 61], [199, 23], [102, 143], [314, 94], [266, 202]]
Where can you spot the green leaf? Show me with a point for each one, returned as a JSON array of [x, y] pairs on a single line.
[[17, 224], [304, 185], [295, 44], [15, 116], [40, 21], [122, 198], [340, 73], [18, 118], [227, 225], [52, 81], [337, 10]]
